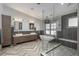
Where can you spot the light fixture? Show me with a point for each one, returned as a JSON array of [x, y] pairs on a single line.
[[31, 21], [32, 8], [62, 3], [18, 19]]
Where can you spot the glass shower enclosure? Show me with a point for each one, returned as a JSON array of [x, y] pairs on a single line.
[[51, 46]]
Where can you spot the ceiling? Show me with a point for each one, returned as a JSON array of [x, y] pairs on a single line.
[[42, 10]]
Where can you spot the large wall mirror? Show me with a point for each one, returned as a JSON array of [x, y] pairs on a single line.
[[32, 26], [17, 25], [20, 25]]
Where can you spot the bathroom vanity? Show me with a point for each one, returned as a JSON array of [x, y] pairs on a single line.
[[19, 38]]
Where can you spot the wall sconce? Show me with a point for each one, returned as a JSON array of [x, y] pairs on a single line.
[[31, 21], [62, 3], [17, 19]]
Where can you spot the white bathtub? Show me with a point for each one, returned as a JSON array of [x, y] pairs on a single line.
[[46, 37]]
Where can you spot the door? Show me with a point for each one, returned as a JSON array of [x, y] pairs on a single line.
[[6, 30]]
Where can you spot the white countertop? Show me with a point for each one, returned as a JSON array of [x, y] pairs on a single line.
[[18, 35]]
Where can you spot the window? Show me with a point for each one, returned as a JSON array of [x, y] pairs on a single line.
[[73, 22], [53, 26], [53, 32], [47, 28], [53, 29], [47, 31]]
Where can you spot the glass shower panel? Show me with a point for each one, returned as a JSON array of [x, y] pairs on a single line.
[[48, 44], [52, 47]]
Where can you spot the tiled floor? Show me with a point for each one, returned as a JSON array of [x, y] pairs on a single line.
[[24, 49], [33, 48], [63, 51]]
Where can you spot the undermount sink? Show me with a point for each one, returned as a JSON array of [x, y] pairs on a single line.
[[18, 34]]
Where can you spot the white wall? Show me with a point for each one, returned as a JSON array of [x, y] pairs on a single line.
[[25, 18]]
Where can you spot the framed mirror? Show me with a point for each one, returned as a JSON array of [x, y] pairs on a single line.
[[31, 26]]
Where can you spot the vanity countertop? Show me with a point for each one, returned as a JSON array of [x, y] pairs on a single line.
[[18, 35]]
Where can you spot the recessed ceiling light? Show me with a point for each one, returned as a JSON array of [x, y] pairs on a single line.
[[32, 8], [62, 3]]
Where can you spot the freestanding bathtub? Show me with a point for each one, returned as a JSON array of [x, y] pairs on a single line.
[[48, 44]]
